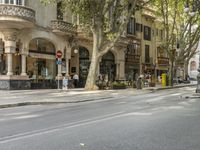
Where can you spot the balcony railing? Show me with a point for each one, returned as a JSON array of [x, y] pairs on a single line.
[[63, 26], [163, 61], [17, 11]]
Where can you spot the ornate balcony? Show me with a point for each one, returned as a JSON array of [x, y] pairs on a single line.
[[63, 28], [15, 16], [163, 61], [149, 13]]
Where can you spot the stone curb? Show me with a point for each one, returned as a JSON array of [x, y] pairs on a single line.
[[79, 101], [49, 103]]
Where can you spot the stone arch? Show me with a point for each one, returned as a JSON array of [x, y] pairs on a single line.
[[87, 46], [59, 42], [42, 45], [83, 52], [115, 53]]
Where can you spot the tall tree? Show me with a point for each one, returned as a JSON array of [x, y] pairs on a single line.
[[106, 19], [188, 33], [177, 27]]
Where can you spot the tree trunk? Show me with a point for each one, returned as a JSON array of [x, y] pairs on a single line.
[[171, 73], [92, 75], [186, 69]]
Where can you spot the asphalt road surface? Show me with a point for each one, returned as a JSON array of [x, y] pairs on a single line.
[[163, 120]]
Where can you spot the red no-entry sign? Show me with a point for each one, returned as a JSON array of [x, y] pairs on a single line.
[[58, 54]]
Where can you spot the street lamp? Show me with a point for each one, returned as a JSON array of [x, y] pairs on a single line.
[[75, 50], [195, 4]]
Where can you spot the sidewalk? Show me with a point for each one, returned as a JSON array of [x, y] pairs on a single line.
[[54, 96]]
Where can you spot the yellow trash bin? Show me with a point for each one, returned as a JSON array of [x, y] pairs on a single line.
[[164, 79]]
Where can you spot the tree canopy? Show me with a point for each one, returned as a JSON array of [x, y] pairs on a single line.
[[181, 29]]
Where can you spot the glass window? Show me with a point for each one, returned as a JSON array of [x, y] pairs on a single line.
[[131, 26], [147, 33], [16, 2], [59, 11], [147, 56], [19, 2]]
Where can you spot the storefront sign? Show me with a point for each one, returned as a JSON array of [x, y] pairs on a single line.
[[58, 62], [42, 56]]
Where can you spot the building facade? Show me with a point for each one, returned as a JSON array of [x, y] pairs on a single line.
[[31, 34], [194, 65]]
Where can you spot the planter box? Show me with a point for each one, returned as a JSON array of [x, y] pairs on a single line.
[[118, 87], [151, 84]]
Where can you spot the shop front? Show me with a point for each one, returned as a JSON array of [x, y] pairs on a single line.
[[132, 62], [41, 64], [108, 66]]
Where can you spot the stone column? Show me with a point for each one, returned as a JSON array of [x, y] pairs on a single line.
[[24, 54], [23, 73], [9, 64], [10, 48], [1, 58], [120, 69], [67, 67]]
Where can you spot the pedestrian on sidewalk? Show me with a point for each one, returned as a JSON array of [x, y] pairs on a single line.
[[139, 83], [75, 78]]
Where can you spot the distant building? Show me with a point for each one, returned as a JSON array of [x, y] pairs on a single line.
[[194, 65]]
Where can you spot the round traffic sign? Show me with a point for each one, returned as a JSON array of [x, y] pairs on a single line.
[[58, 54]]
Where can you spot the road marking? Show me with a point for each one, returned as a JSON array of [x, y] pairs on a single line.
[[138, 114], [154, 99], [25, 135], [15, 114], [176, 94], [26, 116], [121, 103], [20, 136]]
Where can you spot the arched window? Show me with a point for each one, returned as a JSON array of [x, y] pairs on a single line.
[[193, 66], [107, 66], [13, 2]]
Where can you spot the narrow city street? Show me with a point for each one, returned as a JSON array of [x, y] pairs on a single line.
[[160, 120]]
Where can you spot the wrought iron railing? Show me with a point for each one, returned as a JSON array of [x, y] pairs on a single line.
[[63, 26], [17, 11]]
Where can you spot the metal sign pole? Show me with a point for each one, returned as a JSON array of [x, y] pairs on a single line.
[[59, 62], [58, 83]]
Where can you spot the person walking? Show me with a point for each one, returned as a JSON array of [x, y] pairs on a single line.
[[75, 78], [139, 83]]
